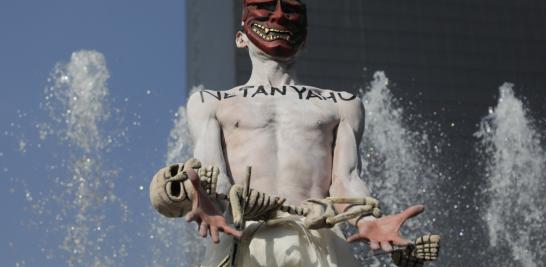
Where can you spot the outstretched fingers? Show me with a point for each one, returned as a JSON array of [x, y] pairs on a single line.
[[203, 229], [230, 231], [400, 241], [385, 246], [374, 245], [411, 212], [356, 237], [214, 234]]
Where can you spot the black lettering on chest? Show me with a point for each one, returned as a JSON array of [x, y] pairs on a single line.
[[299, 91], [303, 93], [280, 91], [228, 95], [215, 95], [351, 97], [332, 96], [311, 94], [260, 90], [245, 89]]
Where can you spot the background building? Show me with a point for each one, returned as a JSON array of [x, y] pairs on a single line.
[[445, 59]]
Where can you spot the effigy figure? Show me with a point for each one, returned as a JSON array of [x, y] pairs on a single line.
[[279, 161]]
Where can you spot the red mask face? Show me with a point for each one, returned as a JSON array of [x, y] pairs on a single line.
[[277, 27]]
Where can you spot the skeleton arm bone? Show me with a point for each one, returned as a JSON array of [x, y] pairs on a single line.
[[346, 164]]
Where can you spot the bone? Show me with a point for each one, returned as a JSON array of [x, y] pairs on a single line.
[[427, 247], [353, 212]]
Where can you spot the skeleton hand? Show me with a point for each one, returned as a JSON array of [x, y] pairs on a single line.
[[426, 248], [320, 213]]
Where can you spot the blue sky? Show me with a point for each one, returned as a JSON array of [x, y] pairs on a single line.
[[144, 46]]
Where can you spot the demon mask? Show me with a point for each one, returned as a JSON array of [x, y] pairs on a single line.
[[277, 27]]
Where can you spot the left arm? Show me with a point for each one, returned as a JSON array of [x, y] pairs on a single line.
[[346, 182], [346, 165]]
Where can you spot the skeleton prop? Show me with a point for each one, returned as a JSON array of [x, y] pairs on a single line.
[[171, 194]]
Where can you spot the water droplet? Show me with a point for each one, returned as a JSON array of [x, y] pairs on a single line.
[[28, 196]]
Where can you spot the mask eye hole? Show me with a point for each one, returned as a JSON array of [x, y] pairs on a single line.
[[292, 8], [265, 6], [173, 170]]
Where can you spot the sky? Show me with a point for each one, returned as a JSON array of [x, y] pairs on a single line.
[[143, 43]]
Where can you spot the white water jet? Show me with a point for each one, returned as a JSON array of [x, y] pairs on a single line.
[[83, 197], [395, 168], [394, 163], [176, 241], [516, 173], [76, 98]]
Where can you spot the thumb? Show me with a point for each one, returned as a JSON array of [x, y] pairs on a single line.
[[195, 181], [197, 190], [353, 238], [357, 237], [401, 241], [411, 212]]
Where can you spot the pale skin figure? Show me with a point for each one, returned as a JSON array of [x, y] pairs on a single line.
[[301, 141]]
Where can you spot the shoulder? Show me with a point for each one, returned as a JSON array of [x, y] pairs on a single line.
[[349, 107], [203, 102], [197, 104]]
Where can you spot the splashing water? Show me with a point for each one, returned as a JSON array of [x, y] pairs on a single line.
[[394, 165], [82, 198], [76, 98], [177, 242], [515, 171]]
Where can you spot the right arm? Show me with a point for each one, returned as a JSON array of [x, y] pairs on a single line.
[[206, 134]]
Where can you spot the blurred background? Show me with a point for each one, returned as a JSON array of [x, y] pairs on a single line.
[[94, 96]]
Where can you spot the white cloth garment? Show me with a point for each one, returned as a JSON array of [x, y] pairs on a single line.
[[283, 242]]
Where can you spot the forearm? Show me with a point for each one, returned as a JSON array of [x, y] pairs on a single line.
[[351, 187]]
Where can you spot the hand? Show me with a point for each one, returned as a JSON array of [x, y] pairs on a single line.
[[385, 232], [205, 214]]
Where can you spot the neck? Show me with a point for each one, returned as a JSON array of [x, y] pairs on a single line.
[[267, 71]]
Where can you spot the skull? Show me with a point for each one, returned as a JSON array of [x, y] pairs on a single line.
[[171, 192]]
